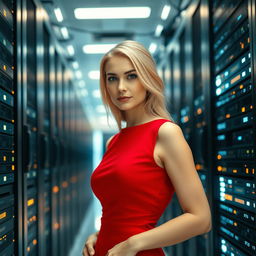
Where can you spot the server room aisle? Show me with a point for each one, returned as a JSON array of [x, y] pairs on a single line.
[[53, 125]]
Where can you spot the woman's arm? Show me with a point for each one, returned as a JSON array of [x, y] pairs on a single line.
[[178, 161]]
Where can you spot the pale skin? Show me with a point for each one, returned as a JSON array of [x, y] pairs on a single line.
[[171, 152]]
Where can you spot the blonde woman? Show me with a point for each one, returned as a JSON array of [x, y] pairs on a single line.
[[144, 164]]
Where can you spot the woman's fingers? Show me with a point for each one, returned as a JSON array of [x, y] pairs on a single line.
[[91, 250], [89, 245], [85, 252], [88, 249]]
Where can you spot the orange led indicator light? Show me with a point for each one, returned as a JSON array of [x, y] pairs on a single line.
[[3, 215]]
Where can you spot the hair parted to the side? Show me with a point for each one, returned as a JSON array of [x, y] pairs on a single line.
[[147, 74]]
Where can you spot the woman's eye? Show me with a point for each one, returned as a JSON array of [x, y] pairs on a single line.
[[111, 78], [132, 76]]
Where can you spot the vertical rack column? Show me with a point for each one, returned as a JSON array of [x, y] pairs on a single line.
[[8, 167]]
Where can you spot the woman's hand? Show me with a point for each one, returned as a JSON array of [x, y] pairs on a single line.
[[89, 244], [124, 248]]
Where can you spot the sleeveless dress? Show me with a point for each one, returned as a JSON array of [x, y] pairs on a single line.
[[133, 190]]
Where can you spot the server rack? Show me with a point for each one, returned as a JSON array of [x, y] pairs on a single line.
[[233, 26], [50, 185], [187, 60], [8, 167], [223, 118]]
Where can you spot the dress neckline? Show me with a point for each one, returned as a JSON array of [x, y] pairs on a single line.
[[140, 125]]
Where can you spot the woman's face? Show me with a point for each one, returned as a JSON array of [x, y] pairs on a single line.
[[122, 81]]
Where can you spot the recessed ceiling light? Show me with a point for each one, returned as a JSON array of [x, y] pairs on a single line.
[[58, 14], [71, 50], [100, 109], [75, 65], [159, 30], [165, 12], [97, 48], [94, 74], [64, 32], [152, 47], [113, 13]]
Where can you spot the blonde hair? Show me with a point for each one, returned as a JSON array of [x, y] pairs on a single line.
[[147, 74]]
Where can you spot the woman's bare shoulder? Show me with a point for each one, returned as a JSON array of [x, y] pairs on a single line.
[[168, 130]]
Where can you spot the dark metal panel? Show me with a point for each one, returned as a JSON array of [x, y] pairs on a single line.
[[53, 149], [252, 20], [19, 181], [45, 140], [40, 79], [25, 154], [57, 173], [29, 128]]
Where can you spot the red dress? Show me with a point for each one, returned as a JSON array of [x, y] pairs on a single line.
[[133, 190]]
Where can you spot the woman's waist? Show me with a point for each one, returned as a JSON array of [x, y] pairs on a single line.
[[126, 225], [130, 218]]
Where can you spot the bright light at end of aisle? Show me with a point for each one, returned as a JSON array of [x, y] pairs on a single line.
[[100, 109], [97, 48], [58, 14], [113, 13]]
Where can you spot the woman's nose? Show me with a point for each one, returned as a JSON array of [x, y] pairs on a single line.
[[121, 85]]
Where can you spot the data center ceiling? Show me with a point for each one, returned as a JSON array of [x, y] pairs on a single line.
[[100, 31]]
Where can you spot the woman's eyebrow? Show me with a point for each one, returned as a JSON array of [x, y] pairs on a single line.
[[129, 71], [124, 72]]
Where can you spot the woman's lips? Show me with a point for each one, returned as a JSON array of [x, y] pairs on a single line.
[[122, 99]]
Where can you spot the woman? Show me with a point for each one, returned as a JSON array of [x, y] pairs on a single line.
[[143, 165]]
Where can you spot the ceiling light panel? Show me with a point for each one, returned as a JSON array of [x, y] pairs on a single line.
[[159, 30], [165, 12], [152, 48], [94, 74], [64, 32], [97, 48], [113, 13], [58, 14], [71, 50], [75, 64]]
